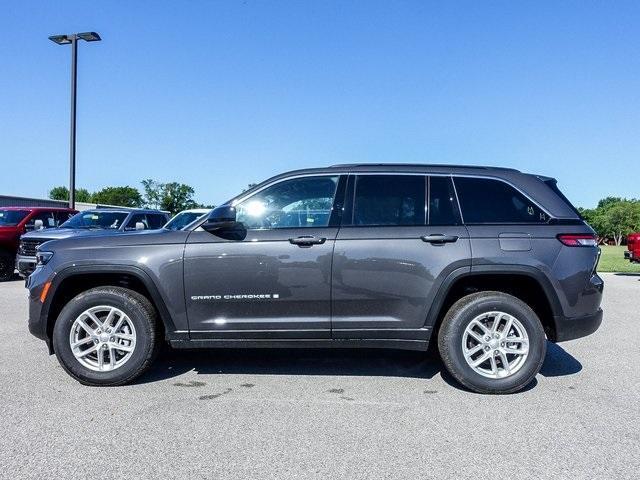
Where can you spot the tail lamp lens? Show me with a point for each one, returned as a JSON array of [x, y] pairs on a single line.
[[578, 240]]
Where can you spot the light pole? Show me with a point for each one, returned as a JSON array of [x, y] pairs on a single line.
[[73, 40]]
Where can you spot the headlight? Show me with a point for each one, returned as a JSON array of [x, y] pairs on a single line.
[[42, 258]]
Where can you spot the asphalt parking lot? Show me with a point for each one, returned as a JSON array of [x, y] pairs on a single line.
[[324, 414]]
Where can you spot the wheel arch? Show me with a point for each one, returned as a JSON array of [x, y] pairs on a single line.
[[73, 280], [527, 283]]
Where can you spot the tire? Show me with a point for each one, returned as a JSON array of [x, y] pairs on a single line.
[[139, 323], [492, 376], [7, 266]]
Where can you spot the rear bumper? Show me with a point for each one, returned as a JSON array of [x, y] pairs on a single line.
[[590, 314], [572, 328]]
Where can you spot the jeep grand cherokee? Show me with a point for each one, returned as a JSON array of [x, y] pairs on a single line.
[[487, 263]]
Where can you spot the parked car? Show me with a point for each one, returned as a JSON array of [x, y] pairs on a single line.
[[487, 263], [14, 221], [185, 217], [88, 222], [633, 248]]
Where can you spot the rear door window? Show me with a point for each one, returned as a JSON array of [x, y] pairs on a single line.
[[389, 200], [156, 220], [484, 200], [62, 217], [443, 207]]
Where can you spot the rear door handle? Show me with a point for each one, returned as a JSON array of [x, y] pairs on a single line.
[[439, 238], [306, 241]]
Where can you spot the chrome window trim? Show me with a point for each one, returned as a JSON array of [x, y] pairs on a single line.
[[348, 173]]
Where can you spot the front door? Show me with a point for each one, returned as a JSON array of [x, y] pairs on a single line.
[[273, 281]]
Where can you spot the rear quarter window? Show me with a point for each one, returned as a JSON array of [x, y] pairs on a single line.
[[485, 200]]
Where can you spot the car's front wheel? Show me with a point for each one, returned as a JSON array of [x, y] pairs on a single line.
[[106, 336], [492, 342]]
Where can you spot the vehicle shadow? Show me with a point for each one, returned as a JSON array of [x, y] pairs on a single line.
[[559, 362], [338, 362], [627, 274], [361, 362]]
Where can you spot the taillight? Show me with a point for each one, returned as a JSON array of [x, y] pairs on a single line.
[[578, 240]]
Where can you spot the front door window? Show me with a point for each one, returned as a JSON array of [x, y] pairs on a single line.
[[295, 203]]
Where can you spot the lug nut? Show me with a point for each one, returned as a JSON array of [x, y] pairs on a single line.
[[112, 339], [502, 344], [496, 352], [98, 332], [487, 338], [95, 341], [104, 346], [496, 335], [486, 349]]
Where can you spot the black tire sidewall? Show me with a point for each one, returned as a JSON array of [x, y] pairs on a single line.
[[450, 342], [137, 313]]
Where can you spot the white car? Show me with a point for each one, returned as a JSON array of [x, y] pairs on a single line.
[[185, 217]]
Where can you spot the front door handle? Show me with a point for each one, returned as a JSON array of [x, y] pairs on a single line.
[[307, 241], [439, 238]]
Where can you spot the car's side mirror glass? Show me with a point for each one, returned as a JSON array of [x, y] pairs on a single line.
[[222, 218], [139, 226], [38, 224]]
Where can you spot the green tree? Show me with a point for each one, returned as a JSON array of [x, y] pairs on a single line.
[[120, 196], [62, 193], [152, 193], [621, 219], [614, 217], [172, 196], [176, 197]]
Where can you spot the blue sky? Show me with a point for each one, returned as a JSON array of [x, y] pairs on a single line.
[[221, 94]]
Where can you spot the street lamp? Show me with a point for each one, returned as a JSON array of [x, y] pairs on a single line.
[[73, 40]]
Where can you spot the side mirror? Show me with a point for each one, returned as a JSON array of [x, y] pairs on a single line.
[[139, 226], [220, 219], [38, 224]]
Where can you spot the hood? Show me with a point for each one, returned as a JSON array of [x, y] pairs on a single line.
[[59, 233], [113, 238]]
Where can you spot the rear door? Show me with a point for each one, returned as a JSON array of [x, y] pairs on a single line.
[[393, 250]]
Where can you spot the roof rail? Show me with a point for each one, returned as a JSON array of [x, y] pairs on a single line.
[[431, 165]]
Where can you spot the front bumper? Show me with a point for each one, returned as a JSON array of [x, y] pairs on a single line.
[[37, 309], [25, 265]]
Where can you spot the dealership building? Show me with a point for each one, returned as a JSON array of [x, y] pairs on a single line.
[[11, 201]]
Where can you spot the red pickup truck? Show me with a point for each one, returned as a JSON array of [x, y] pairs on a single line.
[[633, 248], [14, 221]]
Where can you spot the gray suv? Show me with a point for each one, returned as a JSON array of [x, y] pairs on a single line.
[[487, 263]]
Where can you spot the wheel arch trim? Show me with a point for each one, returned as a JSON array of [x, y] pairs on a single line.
[[478, 270], [76, 271]]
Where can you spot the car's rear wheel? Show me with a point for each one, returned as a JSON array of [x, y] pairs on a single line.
[[7, 266], [106, 336], [492, 342]]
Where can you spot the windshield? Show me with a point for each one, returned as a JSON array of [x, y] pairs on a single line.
[[10, 218], [182, 220], [96, 219]]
